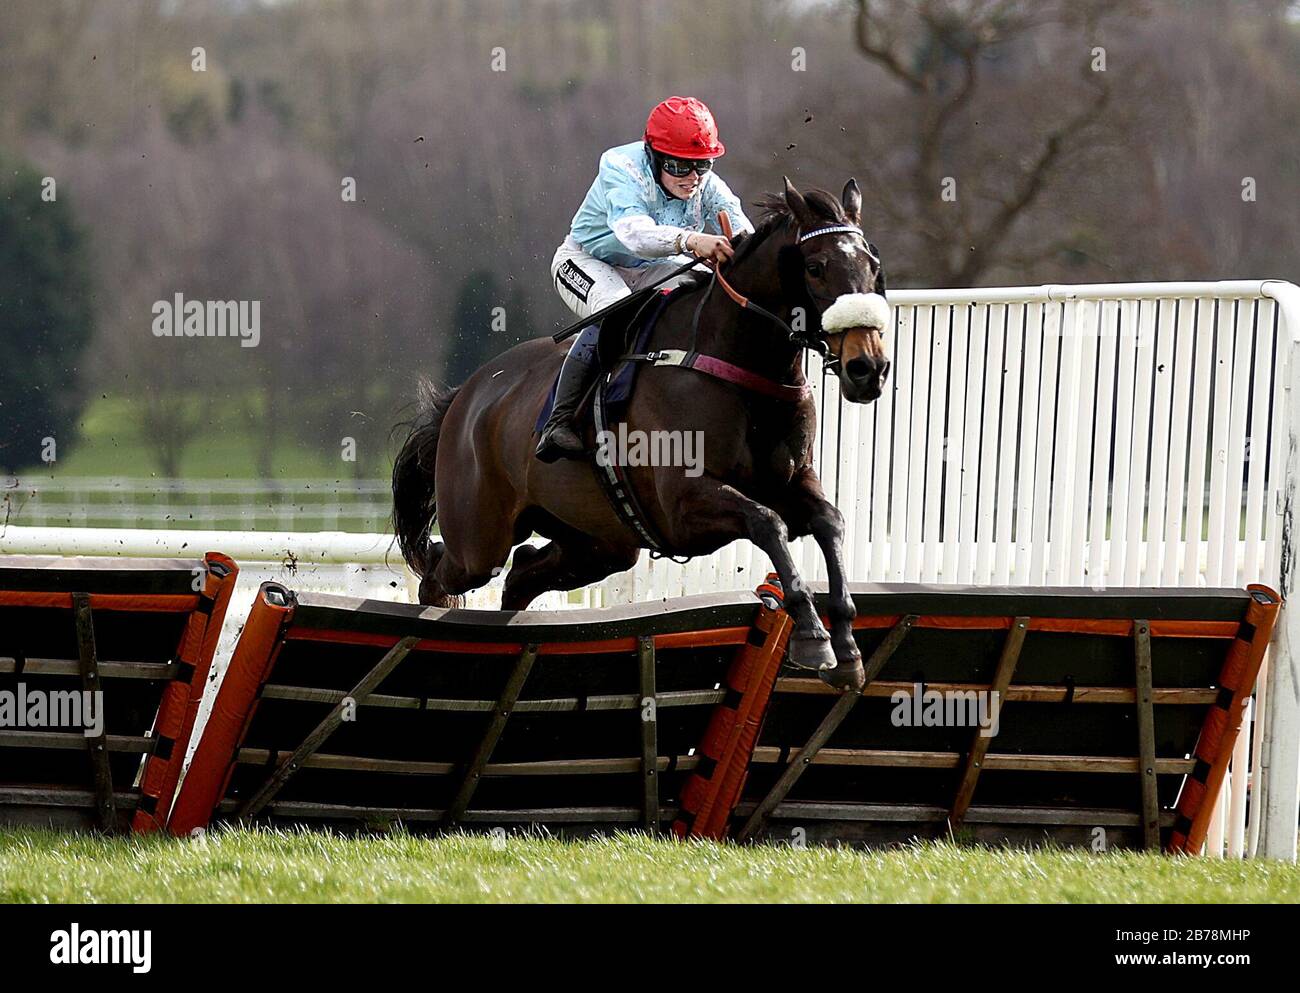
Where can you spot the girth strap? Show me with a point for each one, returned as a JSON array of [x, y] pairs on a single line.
[[728, 372], [616, 486]]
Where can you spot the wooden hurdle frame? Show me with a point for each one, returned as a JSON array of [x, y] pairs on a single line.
[[235, 777], [1185, 827], [509, 720], [141, 632]]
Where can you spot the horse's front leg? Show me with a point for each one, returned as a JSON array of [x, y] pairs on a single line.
[[713, 509], [809, 512]]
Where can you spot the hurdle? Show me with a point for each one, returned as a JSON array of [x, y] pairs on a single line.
[[1117, 713], [130, 642], [1117, 719], [349, 713]]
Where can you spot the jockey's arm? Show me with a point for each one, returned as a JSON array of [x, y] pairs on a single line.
[[646, 239], [642, 235], [629, 213], [649, 240]]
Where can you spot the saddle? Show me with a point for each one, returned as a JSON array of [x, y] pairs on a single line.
[[624, 330], [624, 334]]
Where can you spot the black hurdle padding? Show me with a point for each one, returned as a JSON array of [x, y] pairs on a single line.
[[119, 648], [385, 714]]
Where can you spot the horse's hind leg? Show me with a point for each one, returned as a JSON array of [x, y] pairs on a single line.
[[477, 520], [530, 563], [431, 593], [561, 566], [447, 576]]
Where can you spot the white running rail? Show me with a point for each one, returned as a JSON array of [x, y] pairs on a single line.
[[42, 499]]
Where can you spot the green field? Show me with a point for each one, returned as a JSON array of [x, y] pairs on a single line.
[[111, 443], [109, 477], [256, 866]]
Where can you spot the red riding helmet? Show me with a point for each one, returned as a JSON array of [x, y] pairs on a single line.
[[683, 128]]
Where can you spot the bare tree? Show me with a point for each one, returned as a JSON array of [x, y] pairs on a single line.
[[1062, 172], [940, 52]]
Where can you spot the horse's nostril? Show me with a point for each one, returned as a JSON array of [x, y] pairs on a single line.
[[858, 369]]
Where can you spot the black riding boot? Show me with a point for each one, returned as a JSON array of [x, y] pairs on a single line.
[[560, 438]]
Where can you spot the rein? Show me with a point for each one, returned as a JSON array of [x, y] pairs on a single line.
[[709, 365], [817, 342]]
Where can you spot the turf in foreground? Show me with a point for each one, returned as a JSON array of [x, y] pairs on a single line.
[[259, 866]]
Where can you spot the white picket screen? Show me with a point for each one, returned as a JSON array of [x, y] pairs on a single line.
[[1125, 434]]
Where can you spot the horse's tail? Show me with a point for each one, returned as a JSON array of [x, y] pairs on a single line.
[[415, 503]]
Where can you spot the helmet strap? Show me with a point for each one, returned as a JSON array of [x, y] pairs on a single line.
[[657, 167]]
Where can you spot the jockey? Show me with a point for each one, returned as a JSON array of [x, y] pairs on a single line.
[[653, 205]]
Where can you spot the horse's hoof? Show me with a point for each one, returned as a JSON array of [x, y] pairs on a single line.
[[811, 653], [846, 678]]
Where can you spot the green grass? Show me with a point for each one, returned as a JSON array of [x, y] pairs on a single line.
[[257, 866], [111, 443]]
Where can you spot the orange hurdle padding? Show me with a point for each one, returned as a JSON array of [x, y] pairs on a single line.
[[232, 712], [154, 603], [1223, 723], [180, 701], [710, 796]]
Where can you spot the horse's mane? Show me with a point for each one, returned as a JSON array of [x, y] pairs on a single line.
[[774, 215]]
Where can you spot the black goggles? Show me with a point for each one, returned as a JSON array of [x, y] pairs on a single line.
[[684, 167]]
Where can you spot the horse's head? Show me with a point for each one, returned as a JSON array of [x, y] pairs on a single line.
[[828, 262]]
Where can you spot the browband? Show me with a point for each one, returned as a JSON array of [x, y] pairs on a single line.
[[831, 229], [839, 229]]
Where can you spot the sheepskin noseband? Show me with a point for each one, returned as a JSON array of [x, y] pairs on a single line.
[[856, 310]]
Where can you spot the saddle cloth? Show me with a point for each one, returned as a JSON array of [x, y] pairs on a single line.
[[616, 340]]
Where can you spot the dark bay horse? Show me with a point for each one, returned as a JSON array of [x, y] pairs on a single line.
[[468, 461]]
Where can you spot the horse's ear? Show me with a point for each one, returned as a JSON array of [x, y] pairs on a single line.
[[851, 199], [797, 204]]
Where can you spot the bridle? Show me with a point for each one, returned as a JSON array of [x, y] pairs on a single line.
[[815, 342], [620, 494], [835, 229]]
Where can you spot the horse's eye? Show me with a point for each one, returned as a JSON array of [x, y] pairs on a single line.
[[814, 269]]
